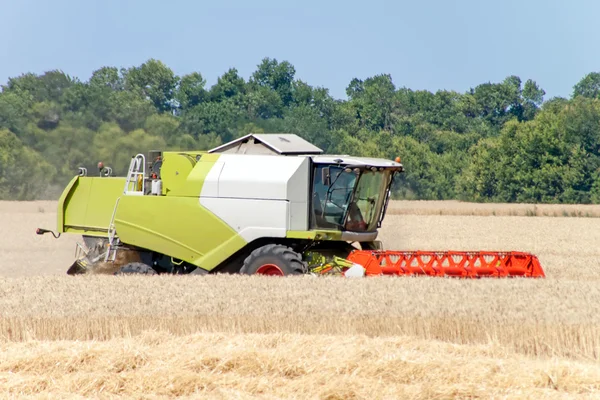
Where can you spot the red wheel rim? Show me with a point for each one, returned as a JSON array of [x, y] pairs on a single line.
[[269, 269]]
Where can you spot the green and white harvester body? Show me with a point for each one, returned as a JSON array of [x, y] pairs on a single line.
[[262, 204]]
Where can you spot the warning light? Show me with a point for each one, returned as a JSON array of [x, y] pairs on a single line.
[[398, 159]]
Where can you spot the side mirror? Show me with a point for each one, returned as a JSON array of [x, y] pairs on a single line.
[[325, 176]]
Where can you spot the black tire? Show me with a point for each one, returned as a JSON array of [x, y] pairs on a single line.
[[136, 268], [286, 260]]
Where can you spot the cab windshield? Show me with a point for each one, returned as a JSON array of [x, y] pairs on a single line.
[[351, 201], [368, 200]]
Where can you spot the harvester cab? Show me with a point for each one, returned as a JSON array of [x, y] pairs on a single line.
[[269, 204], [349, 194]]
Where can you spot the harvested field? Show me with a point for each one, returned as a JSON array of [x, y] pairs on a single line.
[[567, 247], [453, 207], [275, 366], [534, 317], [23, 252], [307, 337]]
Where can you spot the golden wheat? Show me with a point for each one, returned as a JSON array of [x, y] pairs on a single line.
[[535, 317], [158, 364], [453, 207], [567, 247], [308, 337]]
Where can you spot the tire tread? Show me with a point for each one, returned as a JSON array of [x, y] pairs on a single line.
[[288, 254]]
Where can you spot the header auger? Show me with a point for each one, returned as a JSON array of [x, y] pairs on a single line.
[[268, 204], [463, 264]]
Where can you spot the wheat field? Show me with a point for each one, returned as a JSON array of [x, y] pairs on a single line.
[[310, 337], [453, 207]]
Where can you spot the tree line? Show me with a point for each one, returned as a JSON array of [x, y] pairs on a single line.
[[498, 142]]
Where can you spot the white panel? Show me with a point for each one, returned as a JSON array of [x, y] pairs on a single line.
[[298, 189], [299, 216], [251, 218], [210, 187], [298, 184], [257, 176]]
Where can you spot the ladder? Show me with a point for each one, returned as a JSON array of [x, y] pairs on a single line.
[[111, 251], [135, 184]]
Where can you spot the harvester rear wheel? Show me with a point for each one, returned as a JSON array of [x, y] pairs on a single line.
[[273, 259], [136, 268]]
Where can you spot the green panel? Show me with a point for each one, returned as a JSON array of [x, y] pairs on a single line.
[[183, 176], [87, 204], [174, 172], [316, 234], [60, 209], [199, 173], [178, 227]]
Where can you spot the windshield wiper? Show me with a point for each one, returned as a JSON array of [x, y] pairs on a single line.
[[330, 188]]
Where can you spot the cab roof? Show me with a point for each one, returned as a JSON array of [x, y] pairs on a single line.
[[345, 160], [289, 144]]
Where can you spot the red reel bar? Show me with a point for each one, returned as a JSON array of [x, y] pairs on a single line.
[[463, 264]]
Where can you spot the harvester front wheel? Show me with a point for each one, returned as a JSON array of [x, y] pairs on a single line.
[[273, 259], [136, 268]]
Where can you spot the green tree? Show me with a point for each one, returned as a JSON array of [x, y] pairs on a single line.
[[15, 110], [373, 101], [211, 117], [229, 85], [499, 141], [164, 126], [155, 81], [129, 110], [191, 90], [588, 87], [24, 174], [275, 75], [49, 86], [108, 77], [263, 102]]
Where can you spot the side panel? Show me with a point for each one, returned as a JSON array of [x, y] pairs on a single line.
[[298, 216], [252, 219], [248, 192], [87, 204], [183, 176], [259, 177], [298, 193], [178, 227], [211, 182], [62, 204]]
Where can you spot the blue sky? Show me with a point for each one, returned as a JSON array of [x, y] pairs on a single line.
[[425, 44]]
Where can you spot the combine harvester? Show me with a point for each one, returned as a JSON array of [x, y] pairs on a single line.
[[268, 204]]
